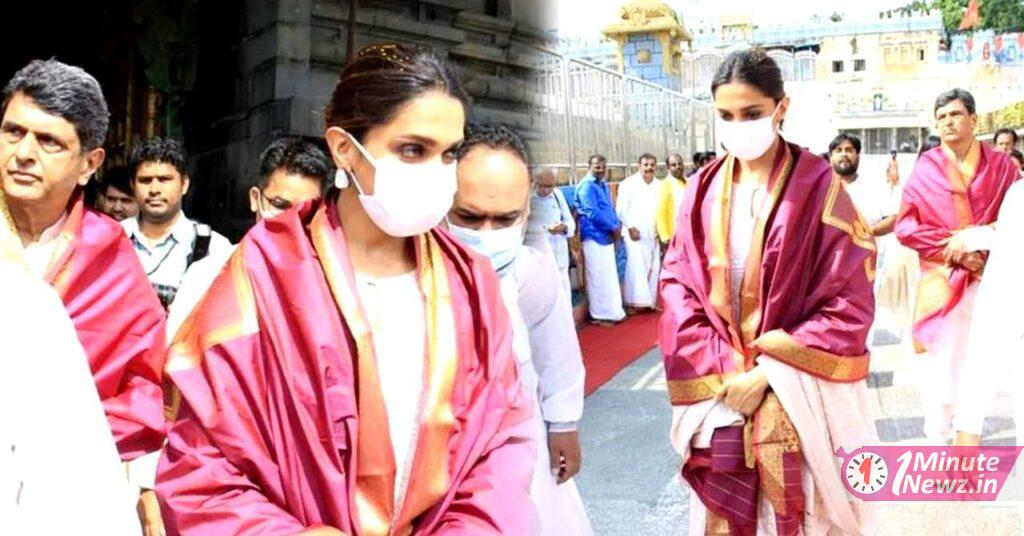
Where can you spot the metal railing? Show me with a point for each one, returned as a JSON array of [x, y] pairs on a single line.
[[583, 109]]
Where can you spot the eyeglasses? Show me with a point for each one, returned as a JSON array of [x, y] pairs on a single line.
[[275, 203]]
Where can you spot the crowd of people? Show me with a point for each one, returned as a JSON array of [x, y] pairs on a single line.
[[391, 348]]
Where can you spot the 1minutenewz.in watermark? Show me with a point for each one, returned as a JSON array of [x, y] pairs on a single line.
[[918, 473]]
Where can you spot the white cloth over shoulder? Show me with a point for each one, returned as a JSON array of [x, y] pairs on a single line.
[[60, 472], [554, 385]]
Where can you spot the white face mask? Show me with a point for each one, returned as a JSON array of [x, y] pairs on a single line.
[[407, 199], [746, 140], [499, 245]]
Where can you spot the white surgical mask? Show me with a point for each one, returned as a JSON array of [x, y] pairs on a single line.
[[407, 199], [746, 140], [499, 245]]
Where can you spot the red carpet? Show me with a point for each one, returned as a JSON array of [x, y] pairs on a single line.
[[609, 349]]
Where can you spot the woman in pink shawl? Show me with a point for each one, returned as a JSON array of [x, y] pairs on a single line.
[[767, 295], [350, 371]]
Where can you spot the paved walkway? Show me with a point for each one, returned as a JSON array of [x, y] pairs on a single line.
[[629, 482]]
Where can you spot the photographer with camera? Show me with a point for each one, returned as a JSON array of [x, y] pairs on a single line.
[[166, 240]]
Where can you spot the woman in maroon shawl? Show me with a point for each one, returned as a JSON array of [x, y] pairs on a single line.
[[767, 295], [351, 371]]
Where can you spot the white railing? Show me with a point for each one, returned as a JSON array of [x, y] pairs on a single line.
[[584, 109]]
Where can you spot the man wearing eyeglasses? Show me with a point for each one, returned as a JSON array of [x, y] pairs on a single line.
[[292, 170]]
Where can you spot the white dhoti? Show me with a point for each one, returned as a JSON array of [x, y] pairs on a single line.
[[559, 506], [565, 283], [940, 370], [640, 286], [603, 292]]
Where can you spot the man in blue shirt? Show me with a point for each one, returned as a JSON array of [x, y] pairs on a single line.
[[599, 228]]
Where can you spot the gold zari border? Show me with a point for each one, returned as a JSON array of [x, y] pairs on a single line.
[[780, 345]]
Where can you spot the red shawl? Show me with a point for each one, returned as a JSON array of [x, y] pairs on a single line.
[[276, 399]]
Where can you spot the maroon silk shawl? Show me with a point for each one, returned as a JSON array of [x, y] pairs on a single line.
[[808, 303], [815, 305], [265, 436]]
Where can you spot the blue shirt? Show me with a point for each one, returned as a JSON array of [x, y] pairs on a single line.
[[596, 212]]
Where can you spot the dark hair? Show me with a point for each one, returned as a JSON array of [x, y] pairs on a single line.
[[65, 91], [961, 95], [698, 157], [1018, 155], [381, 79], [751, 66], [647, 156], [1005, 130], [673, 155], [929, 143], [294, 155], [595, 156], [709, 156], [158, 150], [854, 140], [497, 137], [118, 178]]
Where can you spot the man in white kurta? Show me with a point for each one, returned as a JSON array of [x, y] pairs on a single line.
[[60, 472], [551, 221], [636, 206], [489, 215]]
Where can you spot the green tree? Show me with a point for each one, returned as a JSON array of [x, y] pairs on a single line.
[[1001, 15]]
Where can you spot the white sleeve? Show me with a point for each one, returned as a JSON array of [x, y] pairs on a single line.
[[623, 201], [554, 346], [567, 219], [980, 238], [995, 331]]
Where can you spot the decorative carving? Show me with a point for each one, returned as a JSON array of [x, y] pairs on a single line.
[[639, 11], [644, 56]]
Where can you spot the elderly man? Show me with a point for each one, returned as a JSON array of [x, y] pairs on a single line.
[[488, 215], [54, 122], [636, 206], [949, 208], [551, 224]]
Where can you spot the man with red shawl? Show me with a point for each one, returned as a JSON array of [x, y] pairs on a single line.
[[948, 213]]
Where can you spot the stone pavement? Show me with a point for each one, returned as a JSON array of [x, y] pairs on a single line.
[[629, 479]]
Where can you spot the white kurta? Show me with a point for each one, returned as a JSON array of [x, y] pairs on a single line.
[[551, 369], [396, 311], [827, 416], [60, 472], [996, 341], [637, 205], [545, 212]]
